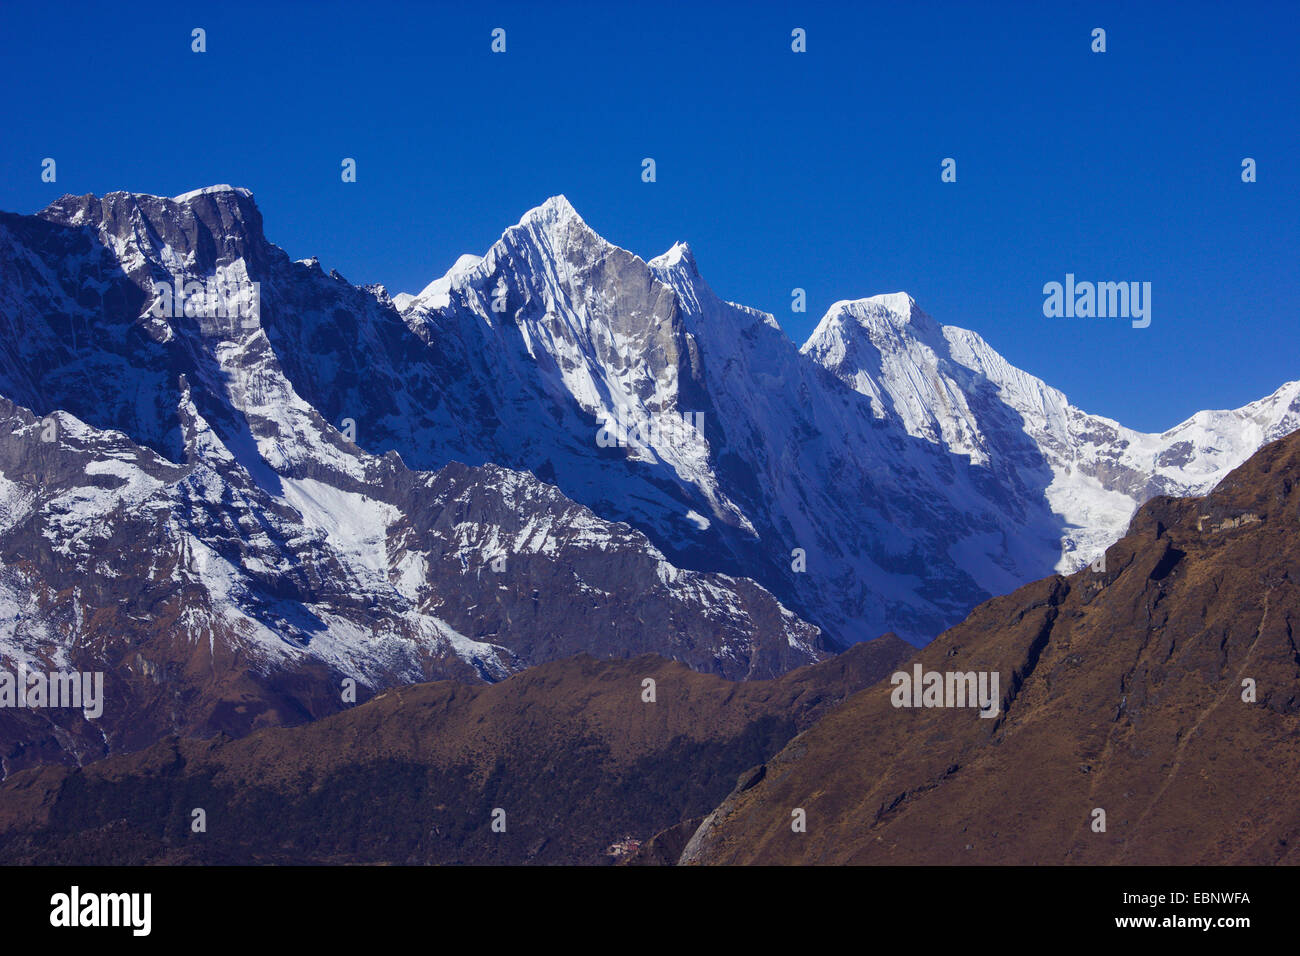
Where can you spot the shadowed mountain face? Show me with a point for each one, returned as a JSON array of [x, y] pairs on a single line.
[[176, 517], [1164, 691], [571, 751], [211, 605]]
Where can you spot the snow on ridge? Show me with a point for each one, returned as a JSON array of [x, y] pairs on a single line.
[[212, 190], [679, 252], [933, 379], [555, 209], [437, 294]]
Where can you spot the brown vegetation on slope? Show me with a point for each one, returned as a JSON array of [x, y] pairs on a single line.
[[569, 749], [1122, 690]]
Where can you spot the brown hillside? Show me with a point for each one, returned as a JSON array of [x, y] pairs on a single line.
[[1121, 690], [568, 749]]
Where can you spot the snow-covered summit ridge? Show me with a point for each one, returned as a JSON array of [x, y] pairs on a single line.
[[908, 340], [918, 469], [679, 254], [556, 209], [942, 384], [436, 294], [947, 385], [213, 190], [554, 228]]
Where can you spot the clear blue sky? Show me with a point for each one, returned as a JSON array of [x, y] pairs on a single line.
[[818, 170]]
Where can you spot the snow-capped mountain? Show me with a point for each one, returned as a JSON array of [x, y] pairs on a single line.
[[949, 387], [555, 447], [175, 515], [783, 474], [901, 521]]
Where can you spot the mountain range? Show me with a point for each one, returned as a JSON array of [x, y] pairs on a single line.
[[1144, 715], [555, 448]]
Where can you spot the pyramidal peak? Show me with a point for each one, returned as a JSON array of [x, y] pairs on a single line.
[[679, 255], [552, 231], [557, 210], [555, 230]]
